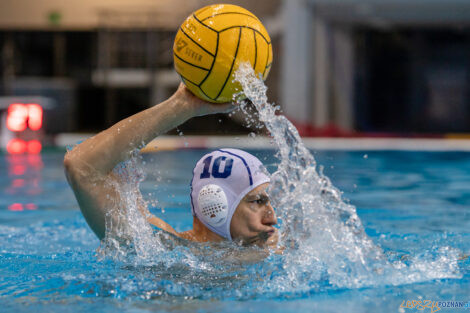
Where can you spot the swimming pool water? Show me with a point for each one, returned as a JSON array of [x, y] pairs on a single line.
[[412, 204]]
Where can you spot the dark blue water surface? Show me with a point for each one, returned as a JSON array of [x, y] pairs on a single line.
[[412, 204]]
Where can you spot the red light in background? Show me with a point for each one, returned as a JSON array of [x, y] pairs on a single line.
[[19, 146], [17, 117], [31, 206], [34, 146], [20, 116], [35, 161], [34, 116], [15, 207], [16, 146], [18, 170], [18, 183]]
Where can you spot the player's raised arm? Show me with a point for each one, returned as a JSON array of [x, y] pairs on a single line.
[[89, 165]]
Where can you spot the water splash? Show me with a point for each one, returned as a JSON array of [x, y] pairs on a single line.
[[323, 236], [128, 234], [325, 245]]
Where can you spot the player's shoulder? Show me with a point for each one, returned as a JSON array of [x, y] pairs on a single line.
[[161, 224], [168, 237]]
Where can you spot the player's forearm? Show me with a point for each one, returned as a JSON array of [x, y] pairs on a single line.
[[115, 144]]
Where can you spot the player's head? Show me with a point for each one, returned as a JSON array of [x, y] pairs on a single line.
[[228, 195]]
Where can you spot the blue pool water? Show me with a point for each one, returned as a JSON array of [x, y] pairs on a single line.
[[415, 206]]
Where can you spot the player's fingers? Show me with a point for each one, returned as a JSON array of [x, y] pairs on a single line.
[[225, 107], [211, 108]]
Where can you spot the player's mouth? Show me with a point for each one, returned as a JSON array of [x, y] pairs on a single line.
[[261, 238]]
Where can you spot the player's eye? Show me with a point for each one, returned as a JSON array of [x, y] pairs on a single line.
[[260, 200]]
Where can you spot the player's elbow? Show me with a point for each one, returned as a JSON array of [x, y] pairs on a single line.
[[69, 166], [72, 166]]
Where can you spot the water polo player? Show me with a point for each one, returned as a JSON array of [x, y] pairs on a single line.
[[228, 189]]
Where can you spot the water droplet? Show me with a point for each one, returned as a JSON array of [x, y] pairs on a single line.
[[299, 191]]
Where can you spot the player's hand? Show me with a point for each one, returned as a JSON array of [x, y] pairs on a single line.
[[201, 107]]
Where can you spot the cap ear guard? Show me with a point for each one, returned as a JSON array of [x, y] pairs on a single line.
[[213, 205]]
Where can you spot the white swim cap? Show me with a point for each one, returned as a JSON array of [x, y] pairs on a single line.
[[220, 180]]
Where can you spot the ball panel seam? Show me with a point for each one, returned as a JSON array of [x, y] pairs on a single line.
[[228, 47], [204, 24], [267, 59], [240, 13], [195, 42], [213, 62], [261, 56], [233, 62], [182, 77], [206, 94], [196, 31], [189, 63], [196, 86], [256, 50], [202, 10], [211, 9], [261, 34]]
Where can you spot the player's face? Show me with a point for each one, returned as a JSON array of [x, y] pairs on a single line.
[[254, 218]]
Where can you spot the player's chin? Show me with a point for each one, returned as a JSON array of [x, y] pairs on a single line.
[[273, 239]]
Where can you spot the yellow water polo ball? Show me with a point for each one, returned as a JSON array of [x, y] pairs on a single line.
[[212, 42]]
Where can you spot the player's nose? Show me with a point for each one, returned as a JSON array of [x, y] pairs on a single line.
[[269, 217]]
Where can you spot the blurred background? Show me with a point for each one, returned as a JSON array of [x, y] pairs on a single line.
[[342, 68]]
